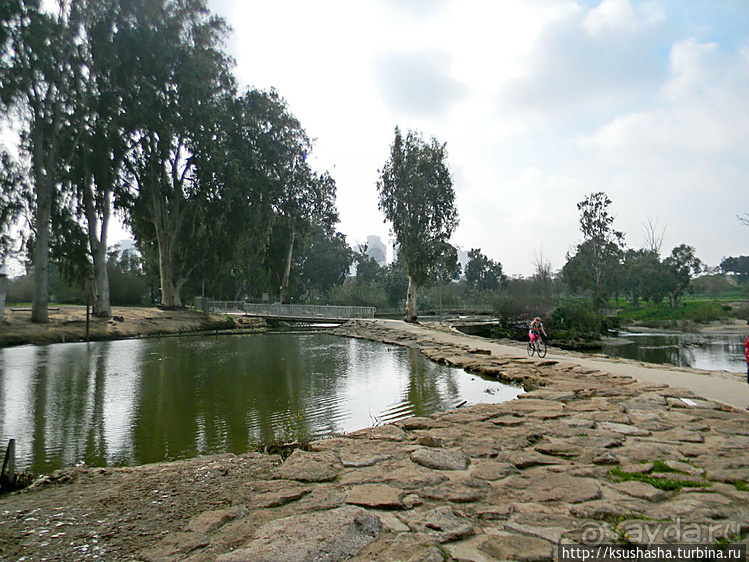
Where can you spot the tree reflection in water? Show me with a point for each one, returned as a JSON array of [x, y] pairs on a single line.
[[140, 401]]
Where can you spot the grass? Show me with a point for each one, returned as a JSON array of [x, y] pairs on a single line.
[[664, 315], [666, 484]]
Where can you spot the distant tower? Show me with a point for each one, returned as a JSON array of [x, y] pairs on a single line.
[[462, 260], [377, 250]]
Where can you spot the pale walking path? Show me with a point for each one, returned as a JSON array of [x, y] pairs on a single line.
[[722, 387]]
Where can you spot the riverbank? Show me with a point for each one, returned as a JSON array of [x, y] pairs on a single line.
[[68, 324], [585, 456]]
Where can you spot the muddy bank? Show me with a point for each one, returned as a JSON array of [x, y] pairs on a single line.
[[68, 324], [583, 457]]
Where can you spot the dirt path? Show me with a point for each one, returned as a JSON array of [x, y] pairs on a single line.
[[68, 324], [727, 388]]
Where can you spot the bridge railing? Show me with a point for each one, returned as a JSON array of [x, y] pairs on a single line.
[[309, 311], [226, 306], [277, 310]]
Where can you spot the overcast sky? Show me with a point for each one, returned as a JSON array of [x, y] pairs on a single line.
[[540, 102]]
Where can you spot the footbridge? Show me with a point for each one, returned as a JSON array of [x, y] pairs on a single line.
[[294, 312]]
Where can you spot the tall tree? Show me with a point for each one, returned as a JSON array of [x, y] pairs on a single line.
[[595, 265], [736, 265], [40, 70], [104, 133], [325, 262], [681, 265], [308, 200], [180, 75], [483, 273], [416, 194]]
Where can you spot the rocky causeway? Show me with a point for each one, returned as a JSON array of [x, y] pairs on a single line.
[[582, 457]]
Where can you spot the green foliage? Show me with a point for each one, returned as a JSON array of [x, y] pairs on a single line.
[[577, 320], [482, 273], [595, 266], [662, 315], [714, 285], [14, 193], [738, 266], [325, 262], [417, 197], [127, 281]]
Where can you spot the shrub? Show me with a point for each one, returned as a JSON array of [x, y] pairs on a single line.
[[578, 317]]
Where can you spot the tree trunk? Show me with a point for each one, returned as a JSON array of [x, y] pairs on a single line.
[[285, 294], [39, 307], [97, 239], [169, 293], [100, 288], [44, 188], [411, 315]]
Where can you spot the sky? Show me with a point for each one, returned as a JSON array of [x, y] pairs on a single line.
[[540, 104]]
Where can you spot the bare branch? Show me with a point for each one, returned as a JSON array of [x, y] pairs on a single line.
[[653, 238]]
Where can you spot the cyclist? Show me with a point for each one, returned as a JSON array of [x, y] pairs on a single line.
[[537, 328]]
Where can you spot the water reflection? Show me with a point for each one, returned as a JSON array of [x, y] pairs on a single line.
[[140, 401], [713, 352]]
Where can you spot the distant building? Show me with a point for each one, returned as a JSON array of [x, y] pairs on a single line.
[[462, 260], [377, 250]]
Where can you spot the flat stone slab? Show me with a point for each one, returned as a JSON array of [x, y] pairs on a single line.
[[308, 467], [331, 536], [624, 429], [544, 486], [441, 459], [379, 496], [445, 525], [641, 490], [279, 497], [175, 545], [507, 546], [211, 520]]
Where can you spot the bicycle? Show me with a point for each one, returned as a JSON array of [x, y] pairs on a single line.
[[538, 347]]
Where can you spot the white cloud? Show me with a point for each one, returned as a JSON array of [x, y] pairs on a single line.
[[618, 18], [588, 62], [418, 83], [540, 103]]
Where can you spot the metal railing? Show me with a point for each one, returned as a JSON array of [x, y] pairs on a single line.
[[308, 311], [226, 306]]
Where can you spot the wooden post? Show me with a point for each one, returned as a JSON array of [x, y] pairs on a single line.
[[8, 474], [88, 305]]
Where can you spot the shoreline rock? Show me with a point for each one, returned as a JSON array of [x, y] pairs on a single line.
[[582, 457]]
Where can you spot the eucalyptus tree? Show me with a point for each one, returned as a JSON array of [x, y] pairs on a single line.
[[180, 76], [325, 262], [681, 265], [103, 135], [417, 197], [308, 202], [483, 273], [264, 200], [595, 266], [40, 71]]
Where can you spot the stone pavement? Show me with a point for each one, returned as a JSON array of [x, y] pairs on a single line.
[[583, 457]]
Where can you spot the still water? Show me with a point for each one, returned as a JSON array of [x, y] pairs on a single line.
[[711, 352], [134, 402]]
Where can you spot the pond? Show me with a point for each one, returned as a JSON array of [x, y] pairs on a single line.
[[132, 402], [708, 351]]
